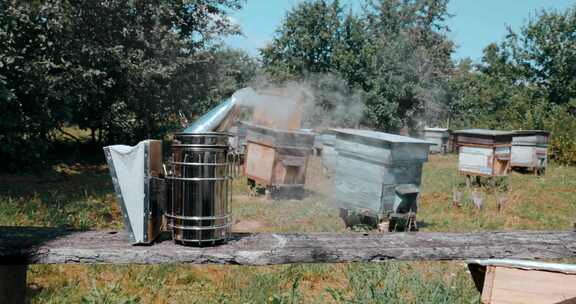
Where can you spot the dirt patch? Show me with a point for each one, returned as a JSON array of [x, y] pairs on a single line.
[[247, 226]]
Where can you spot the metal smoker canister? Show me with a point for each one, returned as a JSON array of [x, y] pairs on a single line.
[[199, 201]]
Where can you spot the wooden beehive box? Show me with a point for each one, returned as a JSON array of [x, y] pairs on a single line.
[[439, 137], [524, 282], [530, 149], [378, 173], [483, 152], [277, 158]]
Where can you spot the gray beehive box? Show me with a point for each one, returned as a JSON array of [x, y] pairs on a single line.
[[439, 137], [530, 149], [326, 140], [377, 172]]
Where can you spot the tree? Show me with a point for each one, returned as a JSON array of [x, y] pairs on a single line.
[[230, 70], [119, 68], [306, 40], [394, 51], [409, 62], [29, 104], [130, 54], [546, 50], [527, 81]]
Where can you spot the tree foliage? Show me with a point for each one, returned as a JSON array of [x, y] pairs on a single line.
[[394, 51], [119, 68], [527, 81], [306, 40]]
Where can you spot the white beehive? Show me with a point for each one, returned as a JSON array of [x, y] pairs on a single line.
[[530, 149], [483, 152]]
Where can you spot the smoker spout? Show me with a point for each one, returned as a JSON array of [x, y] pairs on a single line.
[[222, 116], [210, 121]]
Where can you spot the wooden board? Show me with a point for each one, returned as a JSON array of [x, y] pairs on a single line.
[[28, 245], [260, 162], [156, 158], [504, 285]]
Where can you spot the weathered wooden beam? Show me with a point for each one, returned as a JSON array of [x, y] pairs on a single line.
[[53, 246]]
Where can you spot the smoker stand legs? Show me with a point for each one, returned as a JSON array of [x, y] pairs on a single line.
[[13, 284]]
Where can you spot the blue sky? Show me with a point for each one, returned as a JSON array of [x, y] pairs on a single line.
[[475, 24]]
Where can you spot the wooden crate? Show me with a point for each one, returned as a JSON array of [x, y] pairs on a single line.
[[526, 282]]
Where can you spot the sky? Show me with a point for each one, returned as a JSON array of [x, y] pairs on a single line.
[[475, 23]]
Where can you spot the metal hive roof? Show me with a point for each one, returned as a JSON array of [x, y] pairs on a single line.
[[381, 136]]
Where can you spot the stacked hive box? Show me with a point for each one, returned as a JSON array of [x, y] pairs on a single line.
[[530, 149], [277, 159], [483, 152], [439, 137], [378, 173]]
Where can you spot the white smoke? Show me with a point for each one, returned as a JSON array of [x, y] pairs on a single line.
[[319, 101]]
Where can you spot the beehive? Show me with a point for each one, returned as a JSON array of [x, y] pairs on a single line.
[[530, 149], [326, 140], [277, 158], [483, 152], [439, 137], [378, 173]]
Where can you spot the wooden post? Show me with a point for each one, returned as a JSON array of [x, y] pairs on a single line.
[[13, 284]]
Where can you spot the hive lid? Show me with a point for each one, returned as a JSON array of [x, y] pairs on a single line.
[[484, 132], [530, 132], [380, 136], [437, 129], [263, 129], [525, 264]]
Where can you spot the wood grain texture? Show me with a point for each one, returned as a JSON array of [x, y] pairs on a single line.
[[518, 286], [19, 245]]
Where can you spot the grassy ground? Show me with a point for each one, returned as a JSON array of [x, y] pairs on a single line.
[[81, 196]]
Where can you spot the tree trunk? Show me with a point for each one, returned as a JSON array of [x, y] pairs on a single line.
[[93, 135], [13, 284]]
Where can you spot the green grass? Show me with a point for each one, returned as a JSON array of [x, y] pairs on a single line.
[[81, 196]]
